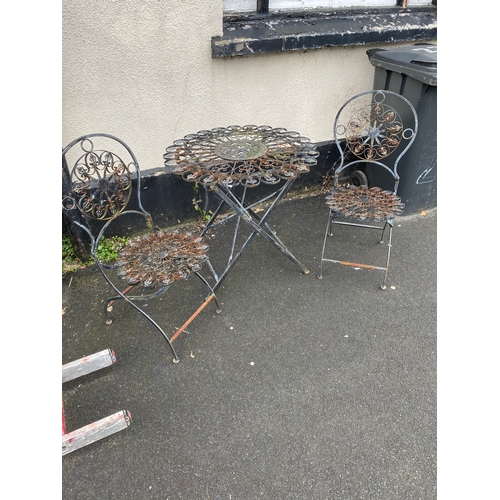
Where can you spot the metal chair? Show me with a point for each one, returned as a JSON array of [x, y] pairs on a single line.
[[372, 131], [102, 187]]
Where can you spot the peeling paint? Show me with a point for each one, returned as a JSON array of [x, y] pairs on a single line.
[[304, 32]]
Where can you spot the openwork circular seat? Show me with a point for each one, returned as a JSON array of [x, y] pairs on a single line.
[[161, 258], [364, 203]]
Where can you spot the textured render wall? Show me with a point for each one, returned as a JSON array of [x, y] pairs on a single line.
[[142, 70]]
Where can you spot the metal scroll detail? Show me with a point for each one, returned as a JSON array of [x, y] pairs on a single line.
[[373, 132], [101, 183], [246, 155], [362, 202], [160, 258]]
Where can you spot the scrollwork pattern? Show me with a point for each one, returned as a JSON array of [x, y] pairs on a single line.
[[160, 258], [373, 132], [246, 155], [101, 183], [364, 203]]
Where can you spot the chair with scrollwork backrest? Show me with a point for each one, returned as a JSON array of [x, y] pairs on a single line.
[[102, 188], [372, 131]]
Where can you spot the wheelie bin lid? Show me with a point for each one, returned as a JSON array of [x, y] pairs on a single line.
[[418, 61]]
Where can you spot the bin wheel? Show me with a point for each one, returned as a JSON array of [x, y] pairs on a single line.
[[358, 178]]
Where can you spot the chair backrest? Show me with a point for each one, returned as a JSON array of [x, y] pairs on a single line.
[[374, 129], [99, 173]]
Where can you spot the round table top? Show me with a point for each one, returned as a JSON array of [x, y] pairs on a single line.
[[246, 155]]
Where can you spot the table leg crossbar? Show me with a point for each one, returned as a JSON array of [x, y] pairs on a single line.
[[258, 224]]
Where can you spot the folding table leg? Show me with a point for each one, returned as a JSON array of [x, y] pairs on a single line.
[[243, 213]]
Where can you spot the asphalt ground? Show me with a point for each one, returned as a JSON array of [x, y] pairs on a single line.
[[300, 389]]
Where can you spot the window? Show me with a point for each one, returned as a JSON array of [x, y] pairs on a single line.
[[274, 5]]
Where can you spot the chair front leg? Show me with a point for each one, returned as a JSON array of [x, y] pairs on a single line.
[[328, 233]]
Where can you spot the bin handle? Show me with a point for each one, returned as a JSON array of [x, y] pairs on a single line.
[[429, 64]]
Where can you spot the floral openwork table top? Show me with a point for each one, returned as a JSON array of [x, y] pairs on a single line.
[[246, 155]]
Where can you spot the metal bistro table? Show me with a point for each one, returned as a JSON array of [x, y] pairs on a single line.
[[223, 158]]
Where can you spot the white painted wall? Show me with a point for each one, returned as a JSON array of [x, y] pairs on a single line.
[[142, 70]]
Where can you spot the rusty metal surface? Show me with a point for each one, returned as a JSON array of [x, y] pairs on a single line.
[[161, 258], [101, 183], [364, 203], [373, 132], [368, 129], [246, 155]]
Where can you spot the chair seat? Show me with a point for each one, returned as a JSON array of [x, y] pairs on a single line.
[[161, 258], [362, 202]]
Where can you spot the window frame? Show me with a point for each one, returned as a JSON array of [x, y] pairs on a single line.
[[263, 6]]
